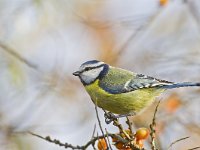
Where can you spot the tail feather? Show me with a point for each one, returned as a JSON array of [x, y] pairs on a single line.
[[178, 85]]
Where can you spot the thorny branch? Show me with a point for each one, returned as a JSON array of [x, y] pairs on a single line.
[[129, 127], [112, 118], [67, 145], [123, 136], [153, 131], [128, 140], [83, 147]]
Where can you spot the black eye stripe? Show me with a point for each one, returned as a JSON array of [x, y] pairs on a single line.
[[90, 68], [87, 68]]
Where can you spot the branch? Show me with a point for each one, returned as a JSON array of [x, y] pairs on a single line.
[[110, 117], [153, 131], [13, 53], [195, 148], [126, 138], [181, 139], [130, 127], [67, 145], [100, 125], [108, 140]]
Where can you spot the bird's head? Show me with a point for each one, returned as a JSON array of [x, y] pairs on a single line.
[[91, 70]]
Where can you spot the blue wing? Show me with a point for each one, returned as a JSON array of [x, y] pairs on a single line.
[[124, 81]]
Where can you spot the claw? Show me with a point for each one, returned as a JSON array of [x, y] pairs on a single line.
[[110, 117]]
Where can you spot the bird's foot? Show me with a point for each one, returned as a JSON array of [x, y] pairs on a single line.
[[110, 117]]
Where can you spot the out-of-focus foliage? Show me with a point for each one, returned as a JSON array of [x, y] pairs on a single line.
[[43, 42]]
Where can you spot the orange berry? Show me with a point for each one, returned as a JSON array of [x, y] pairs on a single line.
[[114, 139], [139, 143], [173, 103], [119, 145], [141, 134], [102, 144], [163, 2]]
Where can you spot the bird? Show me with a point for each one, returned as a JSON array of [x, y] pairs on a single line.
[[120, 91]]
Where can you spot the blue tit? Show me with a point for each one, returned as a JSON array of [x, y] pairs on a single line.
[[121, 91]]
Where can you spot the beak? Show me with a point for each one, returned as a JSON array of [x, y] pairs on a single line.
[[77, 73]]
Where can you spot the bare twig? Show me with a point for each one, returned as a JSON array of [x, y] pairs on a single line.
[[97, 114], [153, 131], [13, 53], [181, 139], [93, 145], [94, 130], [57, 142], [195, 148], [83, 147], [108, 139], [67, 145]]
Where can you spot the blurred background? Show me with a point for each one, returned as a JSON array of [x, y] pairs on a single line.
[[43, 41]]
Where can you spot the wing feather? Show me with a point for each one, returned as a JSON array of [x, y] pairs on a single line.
[[122, 81]]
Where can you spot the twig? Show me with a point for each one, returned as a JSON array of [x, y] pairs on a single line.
[[83, 147], [16, 55], [93, 145], [181, 139], [57, 142], [112, 118], [195, 148], [94, 130], [100, 124], [108, 139], [152, 127], [67, 145], [129, 127], [121, 130], [123, 136]]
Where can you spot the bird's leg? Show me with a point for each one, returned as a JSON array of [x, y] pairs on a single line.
[[109, 117]]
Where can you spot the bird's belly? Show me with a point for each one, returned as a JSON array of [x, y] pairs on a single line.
[[124, 103]]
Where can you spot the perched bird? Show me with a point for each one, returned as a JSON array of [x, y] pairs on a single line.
[[121, 91]]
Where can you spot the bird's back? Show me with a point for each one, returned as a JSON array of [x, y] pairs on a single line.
[[115, 80]]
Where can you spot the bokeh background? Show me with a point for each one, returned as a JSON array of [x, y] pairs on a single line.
[[43, 41]]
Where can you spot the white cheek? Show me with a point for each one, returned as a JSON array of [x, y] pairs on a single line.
[[91, 75]]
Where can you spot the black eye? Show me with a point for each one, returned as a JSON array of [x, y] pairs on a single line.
[[86, 69]]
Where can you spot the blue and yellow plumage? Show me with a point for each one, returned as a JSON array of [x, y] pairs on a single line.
[[121, 91]]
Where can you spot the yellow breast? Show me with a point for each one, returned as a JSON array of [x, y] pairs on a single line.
[[123, 103]]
